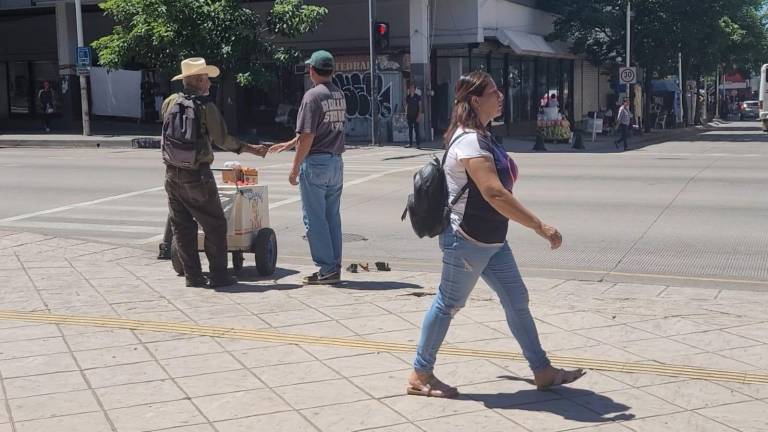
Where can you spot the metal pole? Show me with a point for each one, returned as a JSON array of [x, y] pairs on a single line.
[[629, 10], [680, 115], [374, 92], [717, 93], [83, 80]]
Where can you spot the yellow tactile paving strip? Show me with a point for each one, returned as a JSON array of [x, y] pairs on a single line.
[[272, 336]]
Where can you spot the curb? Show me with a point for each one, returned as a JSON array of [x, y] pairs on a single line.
[[69, 143]]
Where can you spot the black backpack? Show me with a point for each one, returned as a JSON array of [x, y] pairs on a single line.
[[428, 205], [182, 132]]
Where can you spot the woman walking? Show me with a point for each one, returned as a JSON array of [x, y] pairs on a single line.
[[474, 245]]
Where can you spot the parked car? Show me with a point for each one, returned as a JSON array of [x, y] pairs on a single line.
[[749, 110]]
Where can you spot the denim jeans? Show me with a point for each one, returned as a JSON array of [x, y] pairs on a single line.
[[464, 261], [321, 178]]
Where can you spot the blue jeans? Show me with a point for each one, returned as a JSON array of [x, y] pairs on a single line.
[[464, 261], [321, 179]]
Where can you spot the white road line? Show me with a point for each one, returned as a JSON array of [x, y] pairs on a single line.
[[153, 239], [162, 207], [348, 184], [70, 226], [82, 204], [124, 219]]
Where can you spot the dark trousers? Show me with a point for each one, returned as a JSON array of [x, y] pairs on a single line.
[[413, 125], [624, 135], [193, 199], [47, 120]]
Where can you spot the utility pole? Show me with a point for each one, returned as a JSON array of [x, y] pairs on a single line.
[[680, 116], [629, 11], [717, 93], [83, 80], [373, 68]]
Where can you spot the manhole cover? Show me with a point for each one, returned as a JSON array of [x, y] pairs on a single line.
[[346, 238]]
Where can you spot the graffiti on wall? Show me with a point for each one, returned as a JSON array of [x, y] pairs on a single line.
[[357, 92]]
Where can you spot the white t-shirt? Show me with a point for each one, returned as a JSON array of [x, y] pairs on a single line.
[[465, 147]]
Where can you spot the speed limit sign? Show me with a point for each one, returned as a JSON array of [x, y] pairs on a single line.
[[628, 75]]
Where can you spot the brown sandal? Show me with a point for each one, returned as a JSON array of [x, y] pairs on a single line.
[[432, 388], [563, 377]]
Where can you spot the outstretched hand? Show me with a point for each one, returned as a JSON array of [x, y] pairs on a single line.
[[279, 148], [258, 150]]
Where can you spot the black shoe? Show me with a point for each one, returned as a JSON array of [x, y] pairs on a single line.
[[197, 281], [165, 251], [626, 148], [318, 279], [222, 280]]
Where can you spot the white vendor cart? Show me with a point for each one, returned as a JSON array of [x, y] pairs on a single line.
[[246, 208]]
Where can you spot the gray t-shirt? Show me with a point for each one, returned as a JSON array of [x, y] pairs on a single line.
[[323, 112]]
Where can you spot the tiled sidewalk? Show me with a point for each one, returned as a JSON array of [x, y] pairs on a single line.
[[63, 378]]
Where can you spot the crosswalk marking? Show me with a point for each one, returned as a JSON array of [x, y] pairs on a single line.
[[139, 217], [83, 227], [82, 204]]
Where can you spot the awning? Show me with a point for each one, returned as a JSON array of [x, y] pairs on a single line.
[[532, 44], [664, 86]]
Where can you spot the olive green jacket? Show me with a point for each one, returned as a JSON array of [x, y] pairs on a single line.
[[213, 129]]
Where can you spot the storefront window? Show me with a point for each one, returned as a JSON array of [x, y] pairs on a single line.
[[566, 103], [553, 78], [497, 73], [529, 101], [542, 87], [42, 72], [514, 90], [19, 87]]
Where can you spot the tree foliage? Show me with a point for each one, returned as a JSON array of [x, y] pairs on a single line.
[[708, 33], [160, 33]]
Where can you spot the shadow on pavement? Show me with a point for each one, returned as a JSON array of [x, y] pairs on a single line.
[[250, 274], [602, 408]]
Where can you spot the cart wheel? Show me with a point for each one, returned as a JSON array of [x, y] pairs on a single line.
[[237, 260], [265, 249], [176, 259]]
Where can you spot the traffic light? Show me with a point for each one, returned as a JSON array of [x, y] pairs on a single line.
[[381, 35]]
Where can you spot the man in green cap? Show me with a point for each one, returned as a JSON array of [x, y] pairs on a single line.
[[318, 168]]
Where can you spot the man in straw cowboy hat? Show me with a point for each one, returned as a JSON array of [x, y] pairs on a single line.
[[191, 125]]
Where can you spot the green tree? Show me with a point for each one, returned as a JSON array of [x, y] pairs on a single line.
[[160, 33], [707, 33]]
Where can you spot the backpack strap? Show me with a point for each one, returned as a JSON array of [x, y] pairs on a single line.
[[445, 156], [464, 188]]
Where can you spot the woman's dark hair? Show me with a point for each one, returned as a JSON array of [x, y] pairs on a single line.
[[463, 115]]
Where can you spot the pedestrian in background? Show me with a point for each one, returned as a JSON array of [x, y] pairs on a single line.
[[318, 167], [553, 102], [624, 118], [193, 197], [479, 171], [413, 115], [47, 107]]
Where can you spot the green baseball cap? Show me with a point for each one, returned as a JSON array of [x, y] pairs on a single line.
[[322, 60]]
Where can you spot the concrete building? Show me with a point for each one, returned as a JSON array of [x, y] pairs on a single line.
[[38, 40], [433, 42]]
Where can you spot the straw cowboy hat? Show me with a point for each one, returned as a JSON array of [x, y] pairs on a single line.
[[196, 66]]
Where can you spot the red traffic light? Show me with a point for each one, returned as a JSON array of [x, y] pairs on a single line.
[[382, 29]]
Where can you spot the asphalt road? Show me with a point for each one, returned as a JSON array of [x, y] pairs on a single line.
[[690, 212]]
